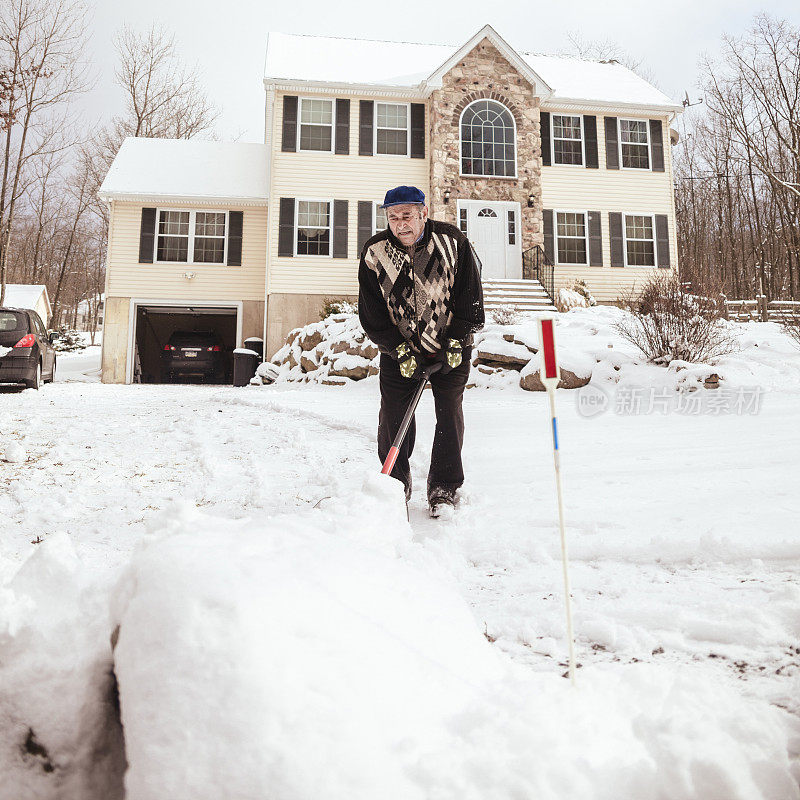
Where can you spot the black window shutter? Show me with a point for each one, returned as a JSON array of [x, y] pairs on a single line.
[[289, 140], [657, 145], [340, 228], [364, 223], [365, 123], [595, 240], [544, 116], [662, 240], [615, 235], [590, 134], [612, 148], [417, 130], [147, 234], [549, 243], [342, 127], [286, 227], [235, 223]]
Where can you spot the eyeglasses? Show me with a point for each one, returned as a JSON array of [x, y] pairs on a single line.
[[403, 217]]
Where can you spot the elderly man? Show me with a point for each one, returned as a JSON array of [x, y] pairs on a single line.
[[420, 300]]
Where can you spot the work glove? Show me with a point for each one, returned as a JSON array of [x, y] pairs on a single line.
[[406, 360], [451, 355]]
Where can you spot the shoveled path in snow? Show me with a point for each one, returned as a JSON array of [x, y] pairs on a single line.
[[682, 529]]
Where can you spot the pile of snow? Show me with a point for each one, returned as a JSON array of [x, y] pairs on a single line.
[[325, 655], [58, 717], [586, 339]]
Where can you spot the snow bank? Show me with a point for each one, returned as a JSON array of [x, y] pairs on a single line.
[[326, 655], [297, 657], [59, 735]]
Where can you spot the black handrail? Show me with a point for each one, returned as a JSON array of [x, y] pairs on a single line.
[[537, 266]]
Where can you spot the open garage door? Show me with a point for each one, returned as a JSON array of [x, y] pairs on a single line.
[[157, 325]]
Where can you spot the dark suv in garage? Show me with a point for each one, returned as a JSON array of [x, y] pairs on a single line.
[[27, 354], [194, 354]]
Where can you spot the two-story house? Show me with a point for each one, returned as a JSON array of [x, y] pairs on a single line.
[[555, 168]]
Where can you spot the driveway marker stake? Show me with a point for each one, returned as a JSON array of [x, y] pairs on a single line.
[[550, 375]]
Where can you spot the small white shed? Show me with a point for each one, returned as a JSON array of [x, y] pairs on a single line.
[[26, 295]]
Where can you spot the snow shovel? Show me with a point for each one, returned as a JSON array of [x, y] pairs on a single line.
[[388, 465]]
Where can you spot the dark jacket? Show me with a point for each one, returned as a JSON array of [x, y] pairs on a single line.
[[387, 301]]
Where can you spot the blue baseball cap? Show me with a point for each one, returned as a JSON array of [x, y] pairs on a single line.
[[403, 196]]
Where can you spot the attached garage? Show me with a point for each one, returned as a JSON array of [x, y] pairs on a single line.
[[156, 322]]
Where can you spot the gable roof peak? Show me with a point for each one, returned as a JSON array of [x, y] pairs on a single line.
[[541, 87]]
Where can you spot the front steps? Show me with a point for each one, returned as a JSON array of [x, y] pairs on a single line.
[[522, 295]]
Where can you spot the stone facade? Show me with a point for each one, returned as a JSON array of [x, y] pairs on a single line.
[[485, 73]]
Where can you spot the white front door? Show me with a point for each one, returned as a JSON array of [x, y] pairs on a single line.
[[493, 229]]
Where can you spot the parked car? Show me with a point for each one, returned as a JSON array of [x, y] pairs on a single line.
[[194, 354], [27, 354]]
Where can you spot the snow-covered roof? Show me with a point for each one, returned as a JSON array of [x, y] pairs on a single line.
[[579, 79], [188, 168], [25, 295], [406, 65]]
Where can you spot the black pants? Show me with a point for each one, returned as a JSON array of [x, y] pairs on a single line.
[[446, 470]]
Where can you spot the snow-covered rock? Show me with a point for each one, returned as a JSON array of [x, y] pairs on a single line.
[[14, 453]]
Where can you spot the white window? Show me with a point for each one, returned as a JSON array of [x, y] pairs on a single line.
[[634, 140], [173, 236], [640, 245], [209, 237], [571, 237], [488, 140], [567, 139], [316, 124], [512, 227], [379, 222], [193, 237], [313, 227], [392, 129], [462, 221]]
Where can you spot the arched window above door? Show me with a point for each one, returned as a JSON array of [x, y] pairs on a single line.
[[488, 140]]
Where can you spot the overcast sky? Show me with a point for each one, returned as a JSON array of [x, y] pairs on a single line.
[[226, 38]]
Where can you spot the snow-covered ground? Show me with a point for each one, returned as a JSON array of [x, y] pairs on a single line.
[[268, 647]]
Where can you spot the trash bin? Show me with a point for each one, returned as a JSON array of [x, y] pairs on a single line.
[[245, 362], [255, 344]]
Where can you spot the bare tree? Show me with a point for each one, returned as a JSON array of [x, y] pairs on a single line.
[[738, 171], [753, 94], [80, 187], [164, 98], [41, 46]]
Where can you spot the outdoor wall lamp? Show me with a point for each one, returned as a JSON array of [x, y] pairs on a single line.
[[447, 195], [189, 275], [531, 200]]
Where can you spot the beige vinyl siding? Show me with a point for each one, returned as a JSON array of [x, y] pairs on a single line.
[[326, 176], [126, 277], [631, 191]]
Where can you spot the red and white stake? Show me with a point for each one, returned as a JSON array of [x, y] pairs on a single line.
[[550, 375]]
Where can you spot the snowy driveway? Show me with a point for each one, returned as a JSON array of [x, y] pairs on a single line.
[[683, 529]]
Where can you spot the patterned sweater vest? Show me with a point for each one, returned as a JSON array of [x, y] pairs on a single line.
[[417, 290]]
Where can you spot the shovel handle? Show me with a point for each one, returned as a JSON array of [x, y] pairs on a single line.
[[394, 450]]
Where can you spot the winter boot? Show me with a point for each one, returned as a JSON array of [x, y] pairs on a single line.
[[440, 499]]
